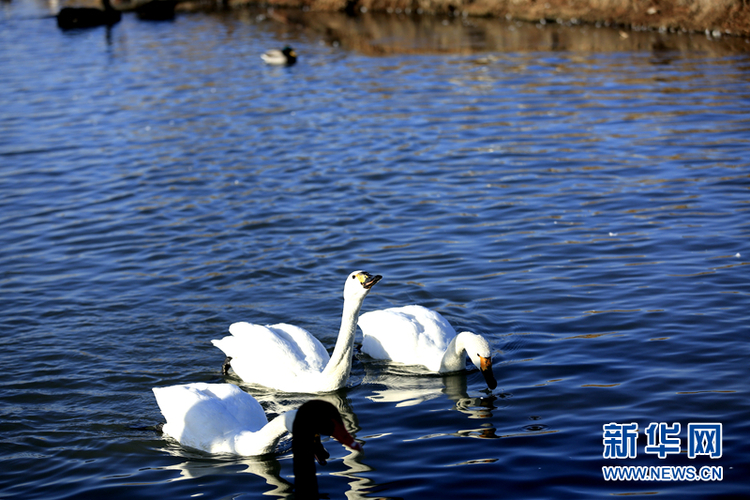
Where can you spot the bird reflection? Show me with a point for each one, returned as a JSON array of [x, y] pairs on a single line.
[[410, 385], [269, 469]]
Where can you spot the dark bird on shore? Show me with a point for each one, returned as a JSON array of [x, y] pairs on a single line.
[[88, 17]]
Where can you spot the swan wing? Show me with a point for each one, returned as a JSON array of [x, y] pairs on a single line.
[[272, 355], [436, 331], [209, 416], [411, 335], [310, 348], [387, 335]]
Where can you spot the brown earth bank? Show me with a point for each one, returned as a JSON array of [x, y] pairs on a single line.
[[718, 17]]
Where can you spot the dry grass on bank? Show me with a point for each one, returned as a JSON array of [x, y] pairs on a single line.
[[721, 16]]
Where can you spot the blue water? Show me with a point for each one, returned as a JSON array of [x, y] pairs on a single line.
[[586, 207]]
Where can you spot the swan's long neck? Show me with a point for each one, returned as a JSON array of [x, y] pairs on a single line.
[[454, 358], [338, 367], [267, 437]]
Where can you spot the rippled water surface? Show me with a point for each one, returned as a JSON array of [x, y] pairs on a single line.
[[579, 196]]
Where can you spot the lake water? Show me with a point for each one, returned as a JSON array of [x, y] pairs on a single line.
[[578, 195]]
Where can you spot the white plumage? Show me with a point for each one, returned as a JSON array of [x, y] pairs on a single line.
[[288, 358], [220, 418], [415, 335]]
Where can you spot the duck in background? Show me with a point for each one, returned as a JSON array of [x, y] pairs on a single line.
[[286, 56], [415, 335], [88, 17]]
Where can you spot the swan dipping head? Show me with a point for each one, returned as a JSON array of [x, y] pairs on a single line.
[[478, 350]]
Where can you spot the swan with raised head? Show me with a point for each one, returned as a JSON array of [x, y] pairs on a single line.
[[288, 358], [415, 335]]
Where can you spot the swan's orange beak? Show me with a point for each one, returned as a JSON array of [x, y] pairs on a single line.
[[485, 365], [341, 435]]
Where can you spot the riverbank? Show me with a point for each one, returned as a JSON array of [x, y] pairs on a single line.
[[718, 17]]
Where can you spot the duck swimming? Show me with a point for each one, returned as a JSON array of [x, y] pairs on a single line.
[[286, 56]]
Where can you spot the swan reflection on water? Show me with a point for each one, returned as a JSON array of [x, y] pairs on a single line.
[[273, 469], [412, 385], [267, 468]]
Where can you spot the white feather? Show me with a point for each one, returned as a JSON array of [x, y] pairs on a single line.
[[219, 418], [289, 358], [415, 335]]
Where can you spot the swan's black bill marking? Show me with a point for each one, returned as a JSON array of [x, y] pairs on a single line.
[[370, 280]]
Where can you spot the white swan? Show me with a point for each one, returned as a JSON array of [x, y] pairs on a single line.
[[415, 335], [288, 358], [220, 418]]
